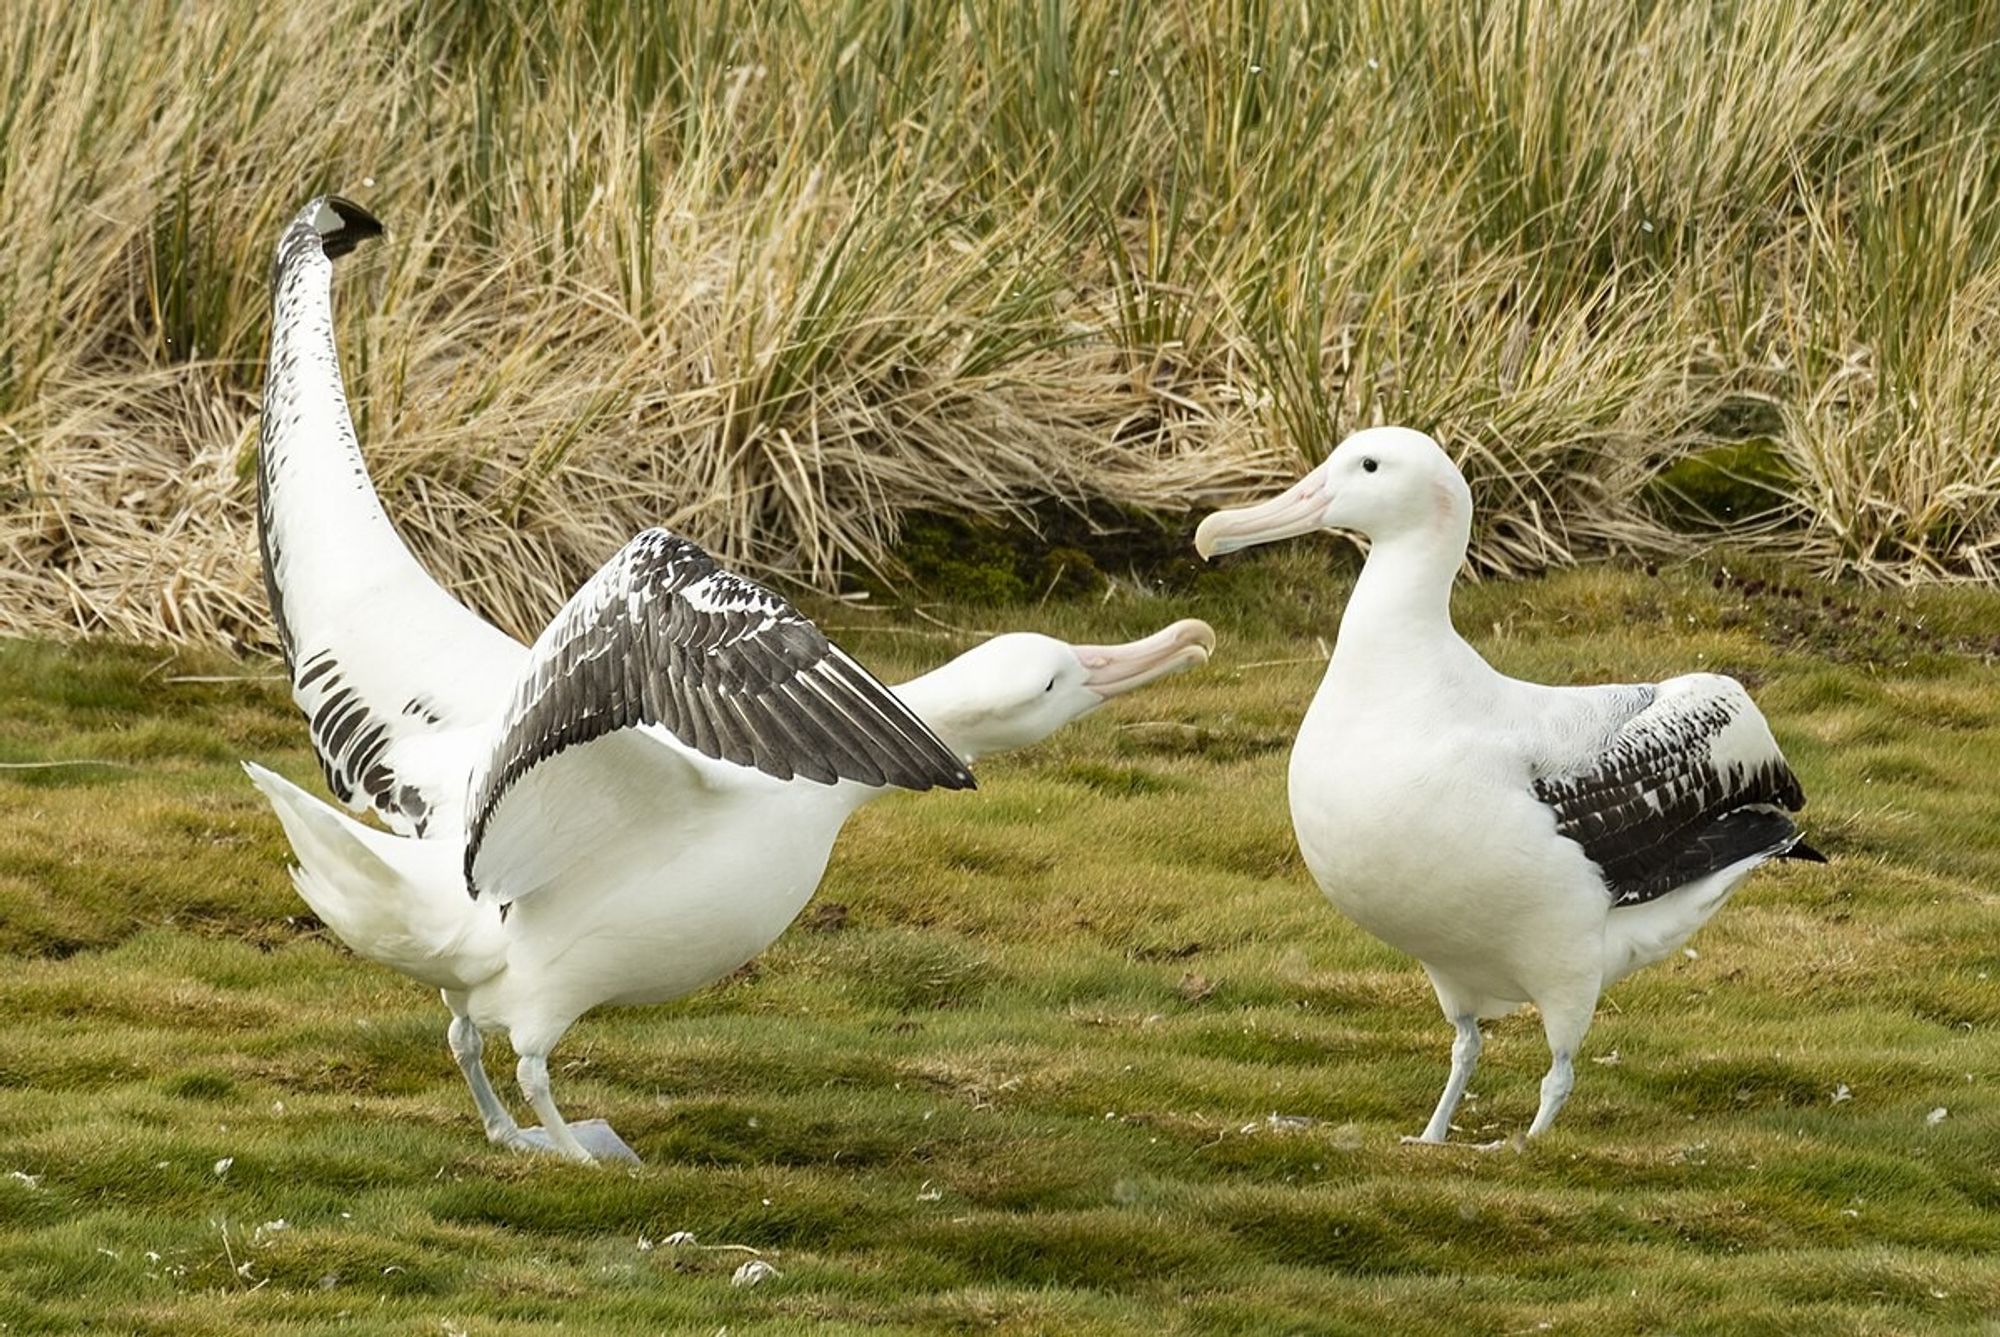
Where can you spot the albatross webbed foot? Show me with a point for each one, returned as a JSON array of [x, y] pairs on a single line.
[[595, 1136]]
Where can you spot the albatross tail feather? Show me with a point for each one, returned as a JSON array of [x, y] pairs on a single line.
[[1641, 933], [381, 894]]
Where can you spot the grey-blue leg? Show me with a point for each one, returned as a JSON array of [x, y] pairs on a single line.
[[590, 1140], [1555, 1090], [1464, 1059], [533, 1073], [1565, 1020], [466, 1047]]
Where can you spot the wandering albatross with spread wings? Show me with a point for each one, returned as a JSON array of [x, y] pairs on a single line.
[[622, 813], [1527, 844]]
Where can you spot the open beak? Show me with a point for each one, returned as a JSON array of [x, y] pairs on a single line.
[[1296, 510], [1113, 670]]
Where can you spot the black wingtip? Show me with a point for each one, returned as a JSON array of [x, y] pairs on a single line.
[[1804, 853], [343, 225]]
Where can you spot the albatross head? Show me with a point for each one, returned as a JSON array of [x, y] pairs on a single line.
[[327, 227], [1383, 483], [1019, 688]]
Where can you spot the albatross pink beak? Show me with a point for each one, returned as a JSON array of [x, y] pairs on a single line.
[[1299, 509], [1112, 670]]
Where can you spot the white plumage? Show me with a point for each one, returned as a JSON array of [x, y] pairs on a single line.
[[396, 677], [1527, 844], [625, 812]]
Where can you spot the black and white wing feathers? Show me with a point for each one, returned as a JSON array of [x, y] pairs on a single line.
[[663, 636], [1687, 785]]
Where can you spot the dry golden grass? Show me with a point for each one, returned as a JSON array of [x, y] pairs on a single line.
[[780, 277]]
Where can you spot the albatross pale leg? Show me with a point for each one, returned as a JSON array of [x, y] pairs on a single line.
[[467, 1046], [1464, 1058], [1564, 1021], [533, 1074], [591, 1140], [1555, 1090]]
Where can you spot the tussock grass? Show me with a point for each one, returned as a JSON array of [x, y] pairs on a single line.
[[1022, 1079], [782, 276]]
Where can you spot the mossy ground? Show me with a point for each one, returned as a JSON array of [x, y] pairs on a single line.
[[1016, 1070]]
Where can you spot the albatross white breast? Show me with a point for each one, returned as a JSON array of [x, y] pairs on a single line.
[[1527, 844], [627, 810]]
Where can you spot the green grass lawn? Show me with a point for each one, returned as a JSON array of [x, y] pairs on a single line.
[[1016, 1067]]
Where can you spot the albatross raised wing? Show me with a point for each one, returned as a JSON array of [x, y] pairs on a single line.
[[397, 679], [1689, 784], [663, 638]]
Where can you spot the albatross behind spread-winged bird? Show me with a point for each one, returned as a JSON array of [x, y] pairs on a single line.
[[1527, 844], [622, 813]]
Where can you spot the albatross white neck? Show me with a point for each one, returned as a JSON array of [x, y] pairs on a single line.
[[940, 699], [1398, 620]]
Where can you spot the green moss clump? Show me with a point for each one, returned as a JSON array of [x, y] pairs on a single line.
[[972, 560], [963, 560], [1068, 572], [1722, 485]]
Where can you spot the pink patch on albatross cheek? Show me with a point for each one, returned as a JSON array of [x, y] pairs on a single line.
[[1442, 498]]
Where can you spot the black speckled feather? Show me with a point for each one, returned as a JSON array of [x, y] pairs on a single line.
[[349, 743], [385, 665], [663, 636], [1661, 806]]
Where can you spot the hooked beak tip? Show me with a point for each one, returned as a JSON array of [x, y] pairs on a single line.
[[1117, 669], [1207, 542], [1198, 635]]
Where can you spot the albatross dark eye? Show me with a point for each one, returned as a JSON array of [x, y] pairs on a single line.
[[1051, 687], [1368, 464]]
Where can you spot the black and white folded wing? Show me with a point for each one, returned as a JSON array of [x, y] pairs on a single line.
[[397, 679], [663, 654], [1688, 783]]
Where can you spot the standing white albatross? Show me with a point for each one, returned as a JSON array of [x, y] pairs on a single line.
[[1527, 844], [623, 813]]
